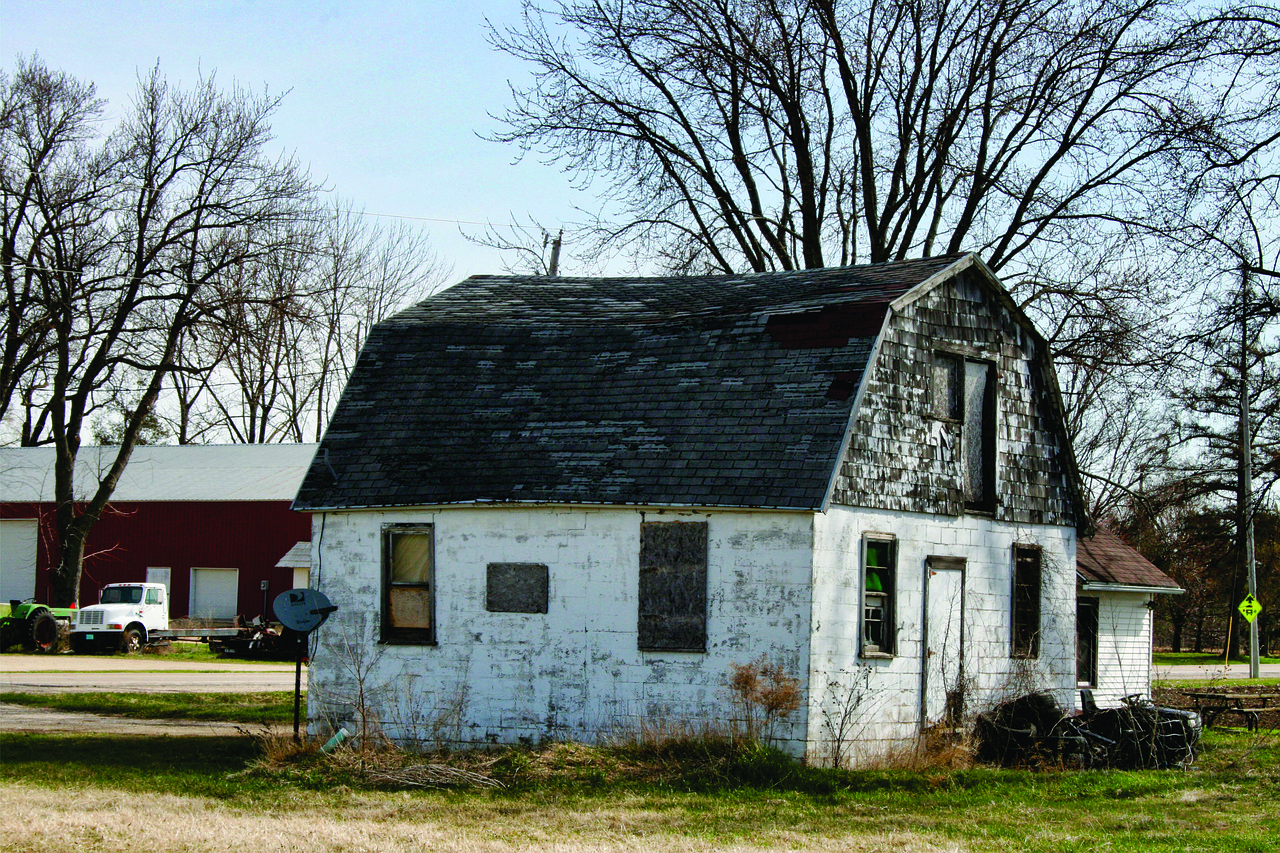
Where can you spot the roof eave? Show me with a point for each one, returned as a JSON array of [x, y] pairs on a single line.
[[1104, 586], [532, 504]]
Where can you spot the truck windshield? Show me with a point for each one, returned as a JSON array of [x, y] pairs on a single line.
[[121, 595]]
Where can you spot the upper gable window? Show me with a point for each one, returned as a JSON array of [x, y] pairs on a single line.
[[408, 589], [673, 586], [964, 390], [948, 380]]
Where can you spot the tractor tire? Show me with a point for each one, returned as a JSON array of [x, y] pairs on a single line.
[[45, 634], [131, 641]]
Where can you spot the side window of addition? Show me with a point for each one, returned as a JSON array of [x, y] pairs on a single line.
[[408, 589], [673, 586], [879, 587]]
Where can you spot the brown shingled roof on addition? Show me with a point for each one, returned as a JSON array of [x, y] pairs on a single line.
[[1105, 558]]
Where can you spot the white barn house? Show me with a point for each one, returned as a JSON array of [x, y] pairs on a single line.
[[564, 507]]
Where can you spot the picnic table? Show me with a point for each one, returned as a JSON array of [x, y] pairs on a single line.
[[1212, 704]]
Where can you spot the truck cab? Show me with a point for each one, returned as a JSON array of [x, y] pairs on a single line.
[[125, 617]]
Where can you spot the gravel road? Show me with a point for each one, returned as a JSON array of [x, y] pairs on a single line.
[[19, 719], [67, 673]]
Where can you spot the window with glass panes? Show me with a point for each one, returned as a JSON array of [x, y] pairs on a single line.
[[878, 586], [408, 605]]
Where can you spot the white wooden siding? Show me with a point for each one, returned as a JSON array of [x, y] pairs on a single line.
[[1124, 646]]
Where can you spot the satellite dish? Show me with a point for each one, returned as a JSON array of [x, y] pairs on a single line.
[[303, 610]]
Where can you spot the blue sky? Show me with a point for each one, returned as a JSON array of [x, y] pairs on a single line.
[[385, 99]]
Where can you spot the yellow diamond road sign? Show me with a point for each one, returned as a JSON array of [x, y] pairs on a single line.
[[1250, 608]]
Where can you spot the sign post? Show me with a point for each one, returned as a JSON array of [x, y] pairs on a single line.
[[301, 611]]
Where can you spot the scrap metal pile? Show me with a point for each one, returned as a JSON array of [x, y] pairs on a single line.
[[1035, 730], [257, 640]]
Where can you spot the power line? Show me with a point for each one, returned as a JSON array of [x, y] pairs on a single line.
[[349, 211]]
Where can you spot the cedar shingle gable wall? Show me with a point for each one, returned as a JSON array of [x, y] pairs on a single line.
[[902, 458], [731, 391]]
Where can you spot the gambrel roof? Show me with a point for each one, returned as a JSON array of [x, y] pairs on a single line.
[[731, 391]]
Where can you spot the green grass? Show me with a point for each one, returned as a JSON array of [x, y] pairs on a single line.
[[249, 708], [1226, 803], [1201, 659], [1213, 684]]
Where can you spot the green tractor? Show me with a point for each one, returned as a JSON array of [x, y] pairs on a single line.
[[35, 626]]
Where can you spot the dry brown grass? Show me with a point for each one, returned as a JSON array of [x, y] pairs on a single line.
[[105, 821]]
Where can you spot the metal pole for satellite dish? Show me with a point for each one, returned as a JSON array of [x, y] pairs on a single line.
[[297, 689]]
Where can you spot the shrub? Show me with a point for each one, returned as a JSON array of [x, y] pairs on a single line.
[[764, 694]]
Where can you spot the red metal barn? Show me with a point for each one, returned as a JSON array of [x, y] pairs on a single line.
[[212, 522]]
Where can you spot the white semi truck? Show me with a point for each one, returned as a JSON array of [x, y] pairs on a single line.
[[127, 617]]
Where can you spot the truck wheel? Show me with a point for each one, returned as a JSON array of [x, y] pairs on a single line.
[[131, 641], [44, 631]]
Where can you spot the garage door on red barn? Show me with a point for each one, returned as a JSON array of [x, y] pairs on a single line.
[[214, 593]]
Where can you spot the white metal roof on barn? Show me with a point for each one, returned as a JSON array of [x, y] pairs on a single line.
[[232, 472]]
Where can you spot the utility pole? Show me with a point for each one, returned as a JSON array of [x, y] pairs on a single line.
[[1244, 498], [553, 268], [1244, 512]]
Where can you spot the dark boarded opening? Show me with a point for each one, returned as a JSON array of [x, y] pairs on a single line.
[[1026, 601], [832, 326], [516, 588], [673, 586]]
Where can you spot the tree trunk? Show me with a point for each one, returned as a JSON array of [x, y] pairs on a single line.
[[65, 579]]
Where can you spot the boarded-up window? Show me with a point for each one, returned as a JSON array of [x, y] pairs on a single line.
[[964, 392], [1026, 602], [673, 586], [516, 588], [946, 386], [409, 587], [979, 436]]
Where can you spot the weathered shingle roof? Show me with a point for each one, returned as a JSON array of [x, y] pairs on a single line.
[[1104, 558], [233, 472], [687, 391]]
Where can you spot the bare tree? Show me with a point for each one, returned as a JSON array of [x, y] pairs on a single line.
[[364, 272], [123, 245], [797, 133], [48, 174], [1069, 144], [271, 369]]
